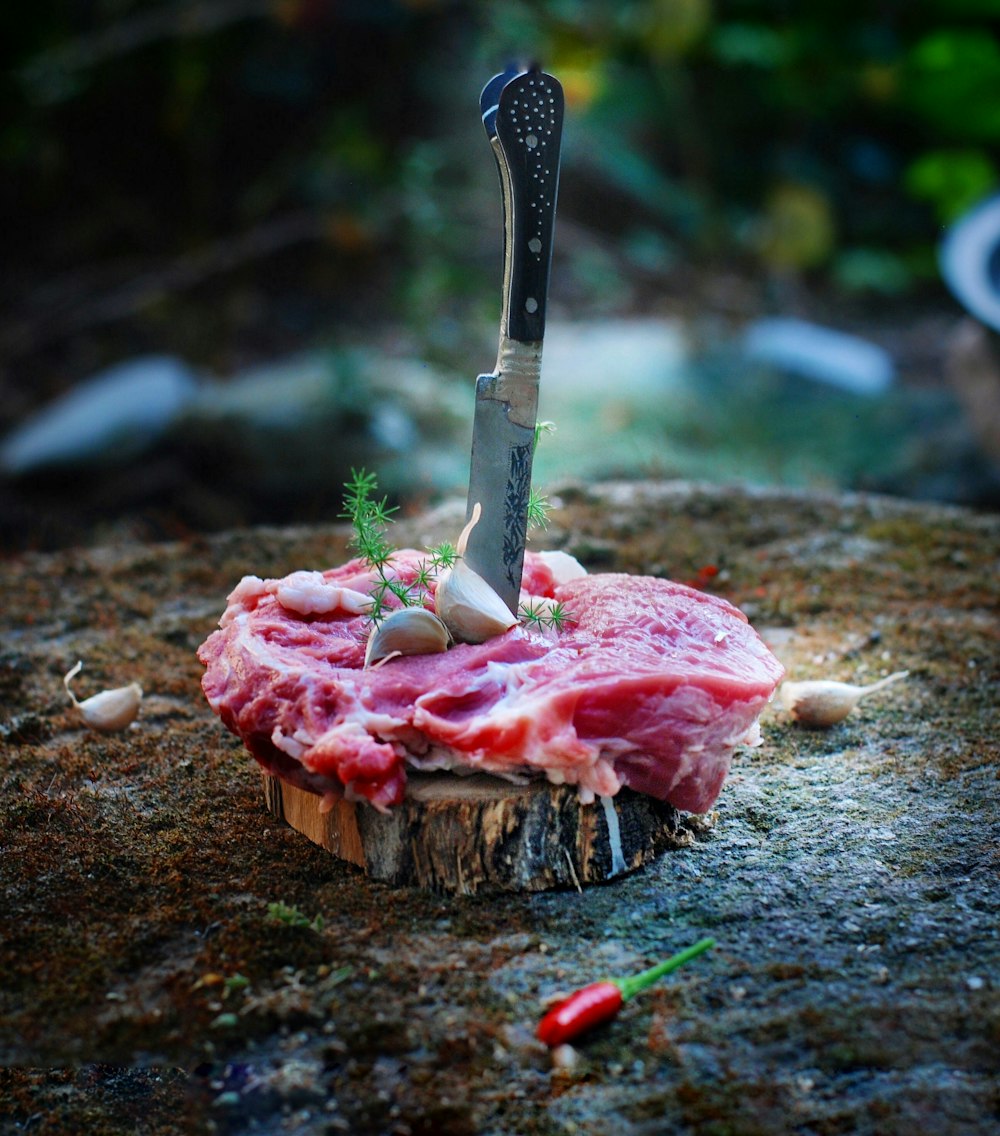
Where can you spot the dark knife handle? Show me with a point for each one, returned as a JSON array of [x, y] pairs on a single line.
[[489, 100], [527, 135]]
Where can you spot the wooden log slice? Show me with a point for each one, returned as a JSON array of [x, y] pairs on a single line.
[[467, 834]]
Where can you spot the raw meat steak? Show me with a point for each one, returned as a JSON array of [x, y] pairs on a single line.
[[651, 685]]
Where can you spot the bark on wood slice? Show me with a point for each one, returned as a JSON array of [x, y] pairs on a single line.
[[466, 834]]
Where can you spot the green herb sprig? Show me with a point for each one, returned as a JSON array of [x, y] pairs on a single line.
[[370, 518], [538, 510], [540, 615], [538, 503]]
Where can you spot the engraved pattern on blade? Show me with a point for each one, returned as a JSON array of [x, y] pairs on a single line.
[[516, 512], [495, 440]]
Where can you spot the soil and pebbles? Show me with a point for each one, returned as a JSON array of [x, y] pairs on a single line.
[[175, 961]]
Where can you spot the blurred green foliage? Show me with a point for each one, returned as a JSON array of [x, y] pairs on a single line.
[[324, 157], [825, 135]]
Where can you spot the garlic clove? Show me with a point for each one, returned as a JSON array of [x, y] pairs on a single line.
[[472, 611], [110, 710], [823, 702], [408, 631]]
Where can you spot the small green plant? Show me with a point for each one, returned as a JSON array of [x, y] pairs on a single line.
[[234, 984], [538, 510], [545, 615], [336, 977], [370, 517], [543, 428], [538, 503], [283, 913]]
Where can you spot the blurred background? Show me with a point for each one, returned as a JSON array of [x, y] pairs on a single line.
[[251, 243]]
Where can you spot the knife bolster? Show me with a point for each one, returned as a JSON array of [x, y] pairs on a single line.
[[515, 380]]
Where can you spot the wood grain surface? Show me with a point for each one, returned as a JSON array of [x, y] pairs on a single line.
[[466, 834]]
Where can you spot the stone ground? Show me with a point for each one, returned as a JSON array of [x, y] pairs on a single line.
[[176, 962]]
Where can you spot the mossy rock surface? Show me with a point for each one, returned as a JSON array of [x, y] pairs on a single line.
[[174, 958]]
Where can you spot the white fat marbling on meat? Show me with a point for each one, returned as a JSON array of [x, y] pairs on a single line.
[[506, 675], [547, 741], [242, 597], [562, 566], [289, 744], [303, 592], [309, 593]]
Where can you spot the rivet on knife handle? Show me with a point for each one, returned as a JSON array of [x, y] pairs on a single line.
[[523, 114]]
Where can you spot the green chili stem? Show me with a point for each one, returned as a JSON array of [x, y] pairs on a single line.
[[636, 982]]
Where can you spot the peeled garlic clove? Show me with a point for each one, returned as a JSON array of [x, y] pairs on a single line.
[[408, 631], [825, 703], [109, 711]]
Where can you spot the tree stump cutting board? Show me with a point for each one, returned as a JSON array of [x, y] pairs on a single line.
[[466, 834]]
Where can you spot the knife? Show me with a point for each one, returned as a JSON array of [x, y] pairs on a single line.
[[523, 115]]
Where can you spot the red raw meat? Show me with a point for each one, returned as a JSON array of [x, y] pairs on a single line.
[[652, 685]]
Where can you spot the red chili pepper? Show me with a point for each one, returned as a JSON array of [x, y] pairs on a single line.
[[601, 1001], [588, 1007]]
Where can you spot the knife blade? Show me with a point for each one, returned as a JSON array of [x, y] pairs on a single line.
[[523, 116]]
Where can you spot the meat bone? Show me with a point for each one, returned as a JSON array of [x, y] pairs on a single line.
[[523, 114]]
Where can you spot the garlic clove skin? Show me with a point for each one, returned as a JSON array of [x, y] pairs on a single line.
[[469, 607], [408, 631], [472, 611], [109, 711], [823, 702]]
